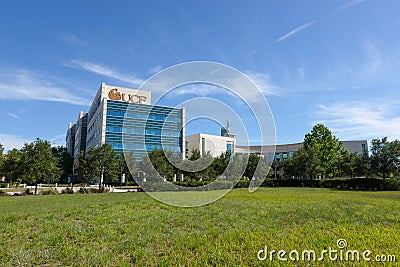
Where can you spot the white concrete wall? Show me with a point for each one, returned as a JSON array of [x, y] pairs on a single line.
[[213, 144]]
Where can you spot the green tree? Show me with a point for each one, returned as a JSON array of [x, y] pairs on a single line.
[[326, 148], [1, 159], [12, 166], [101, 162], [304, 164], [385, 157], [82, 166], [354, 165], [39, 165], [127, 165], [256, 167], [65, 160]]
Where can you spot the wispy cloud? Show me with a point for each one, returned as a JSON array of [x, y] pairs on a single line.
[[376, 67], [12, 115], [57, 140], [12, 141], [73, 39], [155, 69], [23, 84], [294, 31], [349, 4], [104, 71], [261, 80], [264, 83], [360, 120]]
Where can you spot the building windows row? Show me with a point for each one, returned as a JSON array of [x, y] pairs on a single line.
[[131, 130], [95, 122], [145, 116], [93, 137]]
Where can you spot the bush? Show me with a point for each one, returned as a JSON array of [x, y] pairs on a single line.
[[392, 184], [84, 190], [50, 192], [94, 190], [67, 190]]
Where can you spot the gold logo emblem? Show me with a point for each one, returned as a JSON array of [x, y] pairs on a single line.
[[114, 94]]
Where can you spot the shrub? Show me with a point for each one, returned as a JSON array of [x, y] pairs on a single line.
[[84, 190], [392, 184], [67, 190], [50, 192], [95, 190]]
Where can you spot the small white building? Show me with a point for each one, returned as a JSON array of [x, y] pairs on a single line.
[[214, 144]]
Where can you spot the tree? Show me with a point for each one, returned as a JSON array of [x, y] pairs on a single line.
[[256, 167], [304, 164], [65, 160], [1, 159], [102, 163], [39, 164], [127, 165], [385, 157], [326, 148], [354, 165], [12, 166], [82, 166]]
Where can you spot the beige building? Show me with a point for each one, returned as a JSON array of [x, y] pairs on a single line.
[[207, 143]]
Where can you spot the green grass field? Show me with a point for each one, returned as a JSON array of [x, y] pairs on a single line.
[[132, 229]]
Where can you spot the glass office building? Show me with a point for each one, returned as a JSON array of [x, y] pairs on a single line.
[[140, 128], [125, 118]]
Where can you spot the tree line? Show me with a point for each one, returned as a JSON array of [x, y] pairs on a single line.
[[321, 156]]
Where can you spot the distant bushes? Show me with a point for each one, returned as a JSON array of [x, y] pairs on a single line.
[[50, 192], [392, 184]]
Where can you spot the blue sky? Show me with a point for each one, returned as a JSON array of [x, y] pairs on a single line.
[[335, 62]]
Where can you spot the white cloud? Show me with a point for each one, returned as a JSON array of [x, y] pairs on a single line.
[[294, 31], [12, 141], [72, 39], [12, 115], [104, 71], [376, 67], [155, 69], [301, 72], [349, 4], [263, 82], [361, 120], [27, 85], [58, 140]]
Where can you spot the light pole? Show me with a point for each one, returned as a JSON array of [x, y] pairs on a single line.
[[102, 170], [101, 177]]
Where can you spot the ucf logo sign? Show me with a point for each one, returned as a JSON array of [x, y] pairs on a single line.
[[113, 94]]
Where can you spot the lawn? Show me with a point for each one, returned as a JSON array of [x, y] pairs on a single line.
[[133, 229]]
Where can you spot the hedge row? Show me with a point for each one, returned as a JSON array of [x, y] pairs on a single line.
[[392, 184]]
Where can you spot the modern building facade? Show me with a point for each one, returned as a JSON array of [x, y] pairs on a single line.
[[213, 144], [70, 138], [80, 133], [125, 118], [286, 151], [206, 143]]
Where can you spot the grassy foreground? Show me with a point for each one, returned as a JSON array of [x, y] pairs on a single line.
[[134, 230]]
